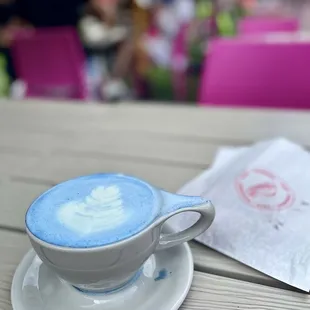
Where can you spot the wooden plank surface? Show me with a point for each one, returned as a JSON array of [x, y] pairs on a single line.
[[55, 168], [42, 144], [208, 291], [188, 123], [211, 262], [220, 293], [15, 199], [120, 145]]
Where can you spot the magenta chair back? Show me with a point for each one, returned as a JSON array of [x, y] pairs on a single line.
[[256, 73], [260, 25], [51, 63]]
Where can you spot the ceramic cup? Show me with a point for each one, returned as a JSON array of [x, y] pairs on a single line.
[[109, 267]]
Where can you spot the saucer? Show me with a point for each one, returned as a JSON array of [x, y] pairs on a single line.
[[162, 284]]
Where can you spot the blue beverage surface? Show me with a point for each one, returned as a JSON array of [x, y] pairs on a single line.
[[92, 211]]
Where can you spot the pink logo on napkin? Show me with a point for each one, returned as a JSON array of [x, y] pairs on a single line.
[[261, 189]]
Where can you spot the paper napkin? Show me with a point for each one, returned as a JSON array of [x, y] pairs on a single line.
[[262, 199]]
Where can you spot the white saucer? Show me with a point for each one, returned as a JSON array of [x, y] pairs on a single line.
[[162, 285]]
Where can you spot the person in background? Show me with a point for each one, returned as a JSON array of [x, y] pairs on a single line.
[[103, 26], [17, 14], [115, 88], [9, 23], [6, 68], [56, 13], [49, 13]]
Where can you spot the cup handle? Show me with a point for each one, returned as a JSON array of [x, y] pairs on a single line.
[[207, 214]]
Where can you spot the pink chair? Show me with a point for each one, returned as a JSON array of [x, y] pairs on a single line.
[[259, 25], [51, 62], [257, 73]]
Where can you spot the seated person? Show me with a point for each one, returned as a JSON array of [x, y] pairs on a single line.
[[103, 26], [50, 13], [54, 13], [33, 13], [8, 22]]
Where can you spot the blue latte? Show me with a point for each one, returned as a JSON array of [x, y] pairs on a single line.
[[93, 211]]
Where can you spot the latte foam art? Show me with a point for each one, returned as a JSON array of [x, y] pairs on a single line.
[[93, 210], [102, 210]]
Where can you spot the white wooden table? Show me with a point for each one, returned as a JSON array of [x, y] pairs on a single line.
[[44, 143]]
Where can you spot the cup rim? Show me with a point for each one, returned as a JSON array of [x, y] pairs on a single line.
[[98, 248]]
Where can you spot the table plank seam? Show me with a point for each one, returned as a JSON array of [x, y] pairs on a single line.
[[12, 229], [102, 155], [131, 158], [243, 277], [145, 134], [31, 180]]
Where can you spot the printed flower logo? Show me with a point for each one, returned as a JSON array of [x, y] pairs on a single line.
[[262, 189]]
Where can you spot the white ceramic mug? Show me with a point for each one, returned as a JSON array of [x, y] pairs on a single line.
[[109, 267]]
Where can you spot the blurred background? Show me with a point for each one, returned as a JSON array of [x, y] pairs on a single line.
[[224, 52]]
